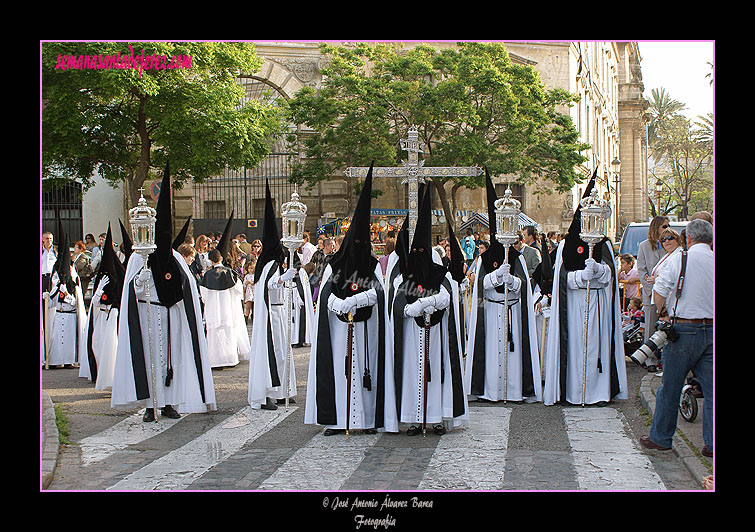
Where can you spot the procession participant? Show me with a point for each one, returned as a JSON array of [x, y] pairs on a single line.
[[65, 309], [303, 310], [485, 341], [97, 355], [268, 342], [564, 355], [126, 245], [542, 292], [456, 272], [222, 293], [346, 379], [423, 344], [177, 342]]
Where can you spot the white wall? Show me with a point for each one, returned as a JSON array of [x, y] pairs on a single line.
[[102, 204]]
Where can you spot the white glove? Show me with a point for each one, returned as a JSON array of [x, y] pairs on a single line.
[[465, 284], [143, 276], [288, 275], [336, 304], [414, 310], [591, 270], [349, 305], [503, 275], [427, 302]]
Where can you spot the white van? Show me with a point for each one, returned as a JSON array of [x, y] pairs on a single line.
[[636, 232]]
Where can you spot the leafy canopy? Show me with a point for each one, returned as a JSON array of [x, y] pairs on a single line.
[[126, 122], [470, 104]]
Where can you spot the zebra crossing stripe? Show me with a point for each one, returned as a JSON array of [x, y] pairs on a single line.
[[472, 457], [325, 463], [604, 456], [130, 431], [179, 468]]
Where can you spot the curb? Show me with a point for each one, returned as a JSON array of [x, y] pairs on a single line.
[[50, 442], [680, 447]]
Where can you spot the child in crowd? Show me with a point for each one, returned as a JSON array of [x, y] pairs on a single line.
[[249, 289], [629, 278]]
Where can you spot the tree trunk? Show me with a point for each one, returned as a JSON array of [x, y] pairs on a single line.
[[439, 186]]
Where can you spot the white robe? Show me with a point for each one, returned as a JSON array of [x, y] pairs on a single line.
[[272, 312], [104, 339], [184, 392], [362, 404], [227, 337], [68, 322], [598, 384], [494, 340], [306, 304], [440, 390]]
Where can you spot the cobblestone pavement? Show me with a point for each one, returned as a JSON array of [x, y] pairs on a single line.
[[505, 447]]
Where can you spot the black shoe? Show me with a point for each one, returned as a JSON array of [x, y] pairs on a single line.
[[149, 415], [439, 429], [170, 412], [370, 431], [651, 369], [333, 432], [283, 401], [269, 405], [413, 430]]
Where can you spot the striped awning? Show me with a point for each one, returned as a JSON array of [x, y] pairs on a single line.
[[481, 218]]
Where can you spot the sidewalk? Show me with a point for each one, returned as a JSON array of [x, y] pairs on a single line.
[[49, 440], [688, 440]]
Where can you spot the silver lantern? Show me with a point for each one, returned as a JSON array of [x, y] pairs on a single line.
[[594, 213], [507, 211], [143, 219], [293, 213]]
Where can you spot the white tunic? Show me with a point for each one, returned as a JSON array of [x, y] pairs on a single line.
[[260, 377], [227, 336], [68, 320], [437, 406], [184, 391], [598, 382], [359, 410], [495, 372]]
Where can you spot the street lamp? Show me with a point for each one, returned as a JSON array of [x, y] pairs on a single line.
[[616, 163], [658, 189]]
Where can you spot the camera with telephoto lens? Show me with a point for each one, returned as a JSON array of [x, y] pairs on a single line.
[[664, 334]]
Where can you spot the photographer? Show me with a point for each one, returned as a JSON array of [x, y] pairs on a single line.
[[690, 346]]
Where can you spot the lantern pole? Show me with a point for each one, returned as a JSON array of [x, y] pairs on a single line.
[[593, 215], [143, 218], [507, 216], [293, 213]]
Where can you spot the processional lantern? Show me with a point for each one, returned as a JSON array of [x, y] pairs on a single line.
[[507, 211], [506, 227], [594, 213], [142, 219], [294, 213]]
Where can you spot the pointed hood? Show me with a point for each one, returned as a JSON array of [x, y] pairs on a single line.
[[128, 244], [111, 267], [576, 250], [271, 240], [181, 236], [63, 262], [423, 273], [353, 264], [543, 274], [165, 270], [456, 266], [224, 244]]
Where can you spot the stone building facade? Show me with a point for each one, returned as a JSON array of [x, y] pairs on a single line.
[[610, 116]]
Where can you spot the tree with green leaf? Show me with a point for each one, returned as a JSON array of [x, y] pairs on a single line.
[[471, 105], [123, 109]]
